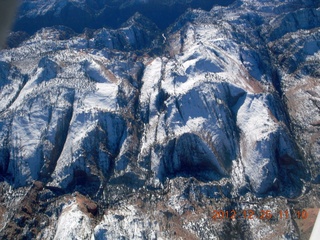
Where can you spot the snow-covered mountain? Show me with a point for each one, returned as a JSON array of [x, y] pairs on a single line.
[[141, 123], [81, 14]]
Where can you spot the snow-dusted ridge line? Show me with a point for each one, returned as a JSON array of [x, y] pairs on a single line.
[[103, 13], [121, 134]]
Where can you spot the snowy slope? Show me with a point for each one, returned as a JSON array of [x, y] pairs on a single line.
[[160, 127]]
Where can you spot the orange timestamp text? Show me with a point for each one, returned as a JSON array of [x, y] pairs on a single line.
[[266, 214]]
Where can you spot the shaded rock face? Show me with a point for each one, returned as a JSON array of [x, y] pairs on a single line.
[[142, 131]]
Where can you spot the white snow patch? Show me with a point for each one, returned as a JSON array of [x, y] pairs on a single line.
[[73, 224]]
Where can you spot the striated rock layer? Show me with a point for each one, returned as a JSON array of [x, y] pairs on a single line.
[[142, 131]]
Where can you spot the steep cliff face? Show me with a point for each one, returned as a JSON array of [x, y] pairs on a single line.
[[142, 131]]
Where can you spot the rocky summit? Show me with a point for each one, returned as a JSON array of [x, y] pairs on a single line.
[[149, 119]]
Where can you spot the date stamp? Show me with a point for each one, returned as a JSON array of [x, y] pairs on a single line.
[[265, 214]]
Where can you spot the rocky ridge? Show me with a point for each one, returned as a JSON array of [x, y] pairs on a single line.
[[140, 132]]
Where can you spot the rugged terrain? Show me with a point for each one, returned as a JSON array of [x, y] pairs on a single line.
[[139, 125]]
